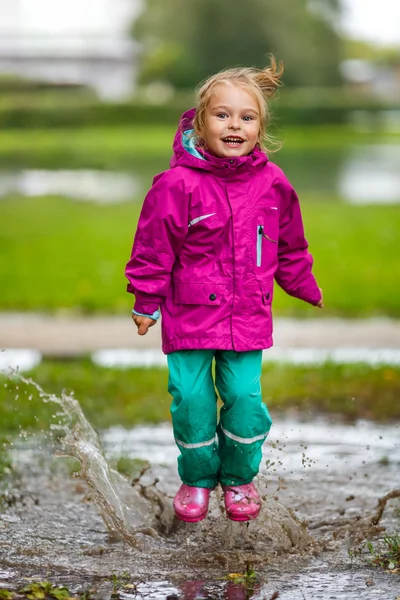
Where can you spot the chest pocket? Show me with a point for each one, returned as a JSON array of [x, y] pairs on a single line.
[[201, 218], [209, 220], [265, 227], [209, 232]]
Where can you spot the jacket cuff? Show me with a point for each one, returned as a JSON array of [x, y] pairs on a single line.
[[311, 294], [155, 316], [146, 303]]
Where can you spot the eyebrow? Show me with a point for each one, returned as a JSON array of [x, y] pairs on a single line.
[[222, 107]]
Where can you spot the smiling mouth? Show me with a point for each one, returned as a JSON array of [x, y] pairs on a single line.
[[233, 141]]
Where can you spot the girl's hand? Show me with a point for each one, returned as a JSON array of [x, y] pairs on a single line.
[[143, 323], [321, 302]]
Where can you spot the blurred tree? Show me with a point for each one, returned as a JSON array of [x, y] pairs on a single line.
[[185, 41]]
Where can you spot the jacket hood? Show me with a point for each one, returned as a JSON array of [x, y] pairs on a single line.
[[187, 155]]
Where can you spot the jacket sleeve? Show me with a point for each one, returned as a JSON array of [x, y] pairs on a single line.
[[161, 232], [294, 261]]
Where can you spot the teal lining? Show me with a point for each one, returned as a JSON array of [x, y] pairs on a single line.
[[188, 142], [154, 316]]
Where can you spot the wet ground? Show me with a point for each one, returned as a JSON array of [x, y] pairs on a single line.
[[320, 480]]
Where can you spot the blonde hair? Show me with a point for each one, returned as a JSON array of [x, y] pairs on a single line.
[[261, 84]]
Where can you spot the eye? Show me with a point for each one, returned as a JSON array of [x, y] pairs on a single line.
[[221, 115], [247, 118]]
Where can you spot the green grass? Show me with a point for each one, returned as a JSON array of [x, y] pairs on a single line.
[[388, 556], [102, 148], [59, 254], [132, 396]]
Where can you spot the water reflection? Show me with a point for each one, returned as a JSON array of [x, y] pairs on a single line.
[[342, 446], [359, 174], [130, 357], [98, 186], [369, 173], [199, 590], [362, 174]]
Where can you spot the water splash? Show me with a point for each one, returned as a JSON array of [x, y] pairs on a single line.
[[145, 506], [79, 440]]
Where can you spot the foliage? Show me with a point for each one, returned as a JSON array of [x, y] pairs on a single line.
[[248, 578], [123, 585], [119, 580], [384, 553], [57, 114], [363, 50], [298, 106], [389, 556], [184, 42], [43, 590], [11, 84]]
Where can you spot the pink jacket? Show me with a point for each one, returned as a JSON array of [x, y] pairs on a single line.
[[212, 236]]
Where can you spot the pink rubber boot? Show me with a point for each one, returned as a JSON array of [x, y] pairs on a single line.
[[191, 503], [242, 502]]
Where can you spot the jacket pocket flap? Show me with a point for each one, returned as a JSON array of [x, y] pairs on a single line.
[[198, 293], [267, 290]]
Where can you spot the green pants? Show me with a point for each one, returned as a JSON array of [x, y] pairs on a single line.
[[230, 451]]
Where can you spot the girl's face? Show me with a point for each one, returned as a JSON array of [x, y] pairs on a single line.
[[232, 121]]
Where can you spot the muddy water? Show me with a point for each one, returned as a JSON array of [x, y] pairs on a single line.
[[326, 474]]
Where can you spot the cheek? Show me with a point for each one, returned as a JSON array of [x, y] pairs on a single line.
[[212, 133], [257, 136]]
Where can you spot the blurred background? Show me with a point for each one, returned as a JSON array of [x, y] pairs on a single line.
[[90, 96]]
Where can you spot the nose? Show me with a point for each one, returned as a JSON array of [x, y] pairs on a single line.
[[234, 123]]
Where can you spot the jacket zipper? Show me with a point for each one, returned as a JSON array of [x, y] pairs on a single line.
[[260, 232]]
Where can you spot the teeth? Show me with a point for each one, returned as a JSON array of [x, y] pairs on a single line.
[[233, 140]]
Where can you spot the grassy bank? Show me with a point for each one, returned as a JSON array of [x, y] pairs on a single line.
[[129, 397], [60, 254]]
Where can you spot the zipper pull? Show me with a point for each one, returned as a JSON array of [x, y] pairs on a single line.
[[268, 238], [261, 230]]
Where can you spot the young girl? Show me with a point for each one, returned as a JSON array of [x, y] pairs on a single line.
[[215, 230]]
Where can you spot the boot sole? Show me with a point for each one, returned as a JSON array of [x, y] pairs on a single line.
[[186, 519], [242, 517]]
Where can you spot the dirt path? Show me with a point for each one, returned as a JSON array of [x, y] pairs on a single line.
[[73, 336]]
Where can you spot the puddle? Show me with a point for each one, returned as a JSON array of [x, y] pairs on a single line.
[[27, 359], [371, 174], [294, 446], [105, 187], [23, 359], [320, 481], [358, 174], [129, 357]]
